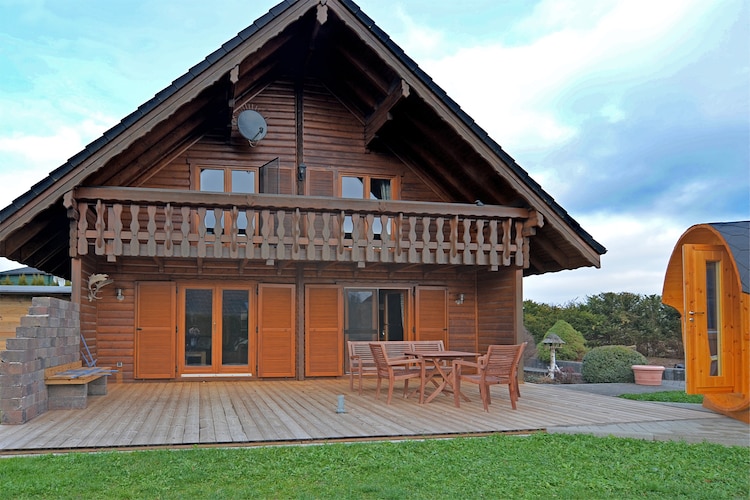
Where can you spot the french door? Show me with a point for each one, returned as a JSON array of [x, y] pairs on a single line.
[[214, 330]]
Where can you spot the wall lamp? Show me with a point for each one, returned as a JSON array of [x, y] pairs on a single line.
[[460, 299], [301, 172], [118, 294]]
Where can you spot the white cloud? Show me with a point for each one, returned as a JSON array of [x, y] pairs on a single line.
[[636, 260], [519, 93]]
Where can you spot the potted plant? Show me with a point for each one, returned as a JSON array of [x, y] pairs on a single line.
[[648, 374]]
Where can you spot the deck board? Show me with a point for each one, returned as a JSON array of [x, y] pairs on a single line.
[[191, 413]]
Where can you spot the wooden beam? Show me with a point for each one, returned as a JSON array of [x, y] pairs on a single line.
[[382, 112]]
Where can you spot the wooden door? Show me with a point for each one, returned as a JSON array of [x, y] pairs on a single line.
[[708, 339], [155, 329], [324, 331], [276, 345], [432, 314]]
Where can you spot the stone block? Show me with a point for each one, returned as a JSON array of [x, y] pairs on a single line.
[[22, 344], [35, 320], [67, 397], [98, 387], [16, 356]]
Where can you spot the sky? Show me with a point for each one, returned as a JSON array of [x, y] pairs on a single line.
[[634, 115]]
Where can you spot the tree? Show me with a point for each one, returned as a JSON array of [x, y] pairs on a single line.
[[614, 319], [572, 350]]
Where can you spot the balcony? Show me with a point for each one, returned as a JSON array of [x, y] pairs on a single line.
[[135, 222]]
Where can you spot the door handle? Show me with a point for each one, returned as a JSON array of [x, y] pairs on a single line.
[[692, 313]]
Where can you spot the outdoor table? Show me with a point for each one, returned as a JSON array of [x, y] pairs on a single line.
[[441, 370]]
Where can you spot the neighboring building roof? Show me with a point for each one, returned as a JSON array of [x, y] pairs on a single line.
[[28, 271], [290, 7], [34, 290], [737, 236]]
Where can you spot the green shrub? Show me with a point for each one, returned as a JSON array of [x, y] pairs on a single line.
[[572, 350], [610, 363]]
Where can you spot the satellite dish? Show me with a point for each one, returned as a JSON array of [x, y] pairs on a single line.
[[252, 126]]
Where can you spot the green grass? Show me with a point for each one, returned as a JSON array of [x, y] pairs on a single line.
[[666, 397], [536, 466]]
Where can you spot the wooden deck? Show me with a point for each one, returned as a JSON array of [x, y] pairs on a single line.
[[276, 412]]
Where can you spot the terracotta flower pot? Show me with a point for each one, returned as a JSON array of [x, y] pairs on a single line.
[[648, 374]]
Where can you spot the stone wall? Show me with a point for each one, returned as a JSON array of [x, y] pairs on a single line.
[[49, 335]]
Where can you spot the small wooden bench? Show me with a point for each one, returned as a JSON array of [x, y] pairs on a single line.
[[361, 362], [69, 385]]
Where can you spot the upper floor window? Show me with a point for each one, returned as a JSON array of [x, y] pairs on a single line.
[[365, 187], [227, 180]]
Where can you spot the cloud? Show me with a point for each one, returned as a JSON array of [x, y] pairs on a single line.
[[638, 252]]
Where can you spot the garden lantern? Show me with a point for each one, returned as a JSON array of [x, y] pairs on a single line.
[[553, 342]]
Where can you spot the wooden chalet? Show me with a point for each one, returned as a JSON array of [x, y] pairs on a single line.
[[304, 185], [708, 282]]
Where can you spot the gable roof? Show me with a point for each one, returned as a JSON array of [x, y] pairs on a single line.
[[737, 237], [289, 39]]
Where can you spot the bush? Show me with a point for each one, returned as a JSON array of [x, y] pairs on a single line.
[[572, 350], [610, 363]]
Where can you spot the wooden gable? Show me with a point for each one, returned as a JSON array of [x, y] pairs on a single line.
[[366, 105]]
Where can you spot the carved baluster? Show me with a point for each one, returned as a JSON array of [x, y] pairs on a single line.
[[506, 242], [296, 233], [266, 225], [399, 257], [185, 227], [385, 238], [83, 244], [168, 229], [342, 236], [426, 254], [356, 232], [280, 247], [454, 240], [412, 240], [99, 241], [467, 242], [311, 216], [480, 258], [116, 221], [493, 245], [326, 250], [521, 254], [370, 248], [151, 228], [218, 231], [233, 232], [202, 232], [135, 228], [250, 232], [440, 244]]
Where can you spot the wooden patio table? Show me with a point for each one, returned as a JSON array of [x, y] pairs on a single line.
[[441, 370]]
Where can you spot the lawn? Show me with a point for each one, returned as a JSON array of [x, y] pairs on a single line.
[[666, 397], [535, 466]]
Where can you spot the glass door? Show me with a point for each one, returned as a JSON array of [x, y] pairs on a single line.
[[199, 321], [216, 325]]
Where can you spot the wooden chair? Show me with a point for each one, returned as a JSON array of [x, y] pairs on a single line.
[[395, 369], [498, 366]]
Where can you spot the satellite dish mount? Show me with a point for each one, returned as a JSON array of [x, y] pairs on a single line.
[[252, 126]]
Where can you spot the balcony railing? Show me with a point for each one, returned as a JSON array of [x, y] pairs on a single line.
[[116, 222]]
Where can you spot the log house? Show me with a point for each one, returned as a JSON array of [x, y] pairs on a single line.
[[367, 205]]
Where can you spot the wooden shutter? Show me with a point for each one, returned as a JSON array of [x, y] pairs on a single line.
[[432, 314], [276, 346], [320, 182], [155, 330], [324, 334]]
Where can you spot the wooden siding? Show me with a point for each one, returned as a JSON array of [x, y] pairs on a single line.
[[498, 319]]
